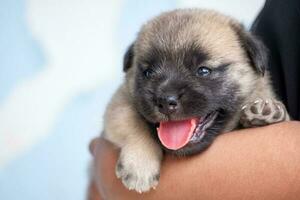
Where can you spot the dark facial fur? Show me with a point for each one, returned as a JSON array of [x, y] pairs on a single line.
[[166, 58], [197, 96]]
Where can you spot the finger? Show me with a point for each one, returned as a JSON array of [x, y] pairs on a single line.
[[93, 193], [93, 145]]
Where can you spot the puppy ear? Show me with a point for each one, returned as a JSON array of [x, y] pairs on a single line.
[[128, 58], [255, 49]]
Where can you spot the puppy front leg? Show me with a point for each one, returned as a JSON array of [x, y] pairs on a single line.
[[263, 112], [139, 163]]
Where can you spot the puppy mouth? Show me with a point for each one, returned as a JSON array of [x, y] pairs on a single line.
[[175, 135]]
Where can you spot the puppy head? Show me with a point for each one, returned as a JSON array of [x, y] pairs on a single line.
[[192, 69]]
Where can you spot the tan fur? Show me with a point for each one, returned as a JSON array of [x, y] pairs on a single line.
[[124, 127], [213, 32], [209, 28]]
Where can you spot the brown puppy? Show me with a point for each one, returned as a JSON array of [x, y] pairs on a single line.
[[191, 74]]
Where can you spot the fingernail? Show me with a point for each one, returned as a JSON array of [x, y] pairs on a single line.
[[257, 101], [244, 107]]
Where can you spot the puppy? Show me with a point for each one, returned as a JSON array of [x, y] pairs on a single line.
[[191, 74]]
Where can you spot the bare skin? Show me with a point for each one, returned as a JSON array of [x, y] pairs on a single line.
[[257, 163]]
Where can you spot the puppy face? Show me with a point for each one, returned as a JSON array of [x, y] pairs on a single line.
[[192, 69]]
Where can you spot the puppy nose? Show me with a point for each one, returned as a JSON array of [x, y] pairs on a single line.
[[168, 104]]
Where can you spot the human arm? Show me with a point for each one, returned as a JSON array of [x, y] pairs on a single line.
[[257, 163]]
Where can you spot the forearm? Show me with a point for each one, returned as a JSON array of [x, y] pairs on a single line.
[[262, 163]]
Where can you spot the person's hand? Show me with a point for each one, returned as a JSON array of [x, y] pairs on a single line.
[[105, 155], [257, 163]]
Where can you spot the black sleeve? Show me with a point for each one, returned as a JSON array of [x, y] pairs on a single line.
[[278, 25]]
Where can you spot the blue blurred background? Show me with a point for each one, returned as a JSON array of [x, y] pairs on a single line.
[[60, 61]]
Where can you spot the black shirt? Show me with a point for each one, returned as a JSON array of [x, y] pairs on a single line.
[[278, 26]]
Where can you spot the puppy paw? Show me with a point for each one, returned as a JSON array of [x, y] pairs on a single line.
[[138, 173], [263, 112]]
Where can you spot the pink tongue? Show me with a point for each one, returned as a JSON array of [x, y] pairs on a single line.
[[176, 134]]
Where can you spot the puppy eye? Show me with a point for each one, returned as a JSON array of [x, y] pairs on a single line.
[[203, 71], [148, 73]]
